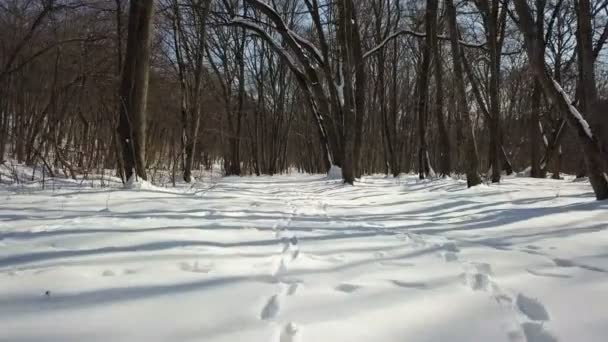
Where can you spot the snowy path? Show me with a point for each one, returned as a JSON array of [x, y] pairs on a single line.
[[301, 258]]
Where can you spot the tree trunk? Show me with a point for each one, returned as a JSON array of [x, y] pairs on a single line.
[[134, 88], [423, 88], [534, 133], [472, 160], [444, 139]]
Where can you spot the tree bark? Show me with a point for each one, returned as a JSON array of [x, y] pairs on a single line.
[[444, 139], [134, 88], [472, 159], [423, 88]]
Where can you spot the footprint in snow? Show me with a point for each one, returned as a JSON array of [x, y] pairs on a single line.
[[410, 285], [483, 267], [291, 290], [293, 240], [477, 281], [289, 333], [563, 262], [271, 308], [547, 274], [280, 268], [347, 288], [450, 247], [380, 255], [194, 267], [286, 245], [532, 308], [397, 263], [516, 335], [503, 299], [536, 333], [449, 256], [295, 254], [479, 278], [570, 263]]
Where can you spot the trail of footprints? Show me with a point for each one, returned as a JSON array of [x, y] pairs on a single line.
[[529, 313], [286, 287]]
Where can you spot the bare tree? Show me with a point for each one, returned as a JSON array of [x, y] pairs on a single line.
[[188, 22], [472, 159], [134, 88]]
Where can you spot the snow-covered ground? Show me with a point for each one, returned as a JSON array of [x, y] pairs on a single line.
[[304, 258]]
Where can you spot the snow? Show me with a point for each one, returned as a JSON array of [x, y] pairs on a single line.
[[335, 172], [135, 183], [303, 258], [339, 84], [309, 45], [573, 111]]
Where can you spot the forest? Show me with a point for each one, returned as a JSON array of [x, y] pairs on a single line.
[[304, 170], [455, 87]]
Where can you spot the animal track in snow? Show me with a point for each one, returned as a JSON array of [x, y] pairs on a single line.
[[532, 308], [450, 247], [295, 254], [286, 245], [280, 268], [271, 308], [289, 332], [347, 288], [397, 263], [547, 274], [484, 268], [516, 335], [563, 262], [502, 298], [535, 333], [289, 252], [379, 255], [477, 281], [479, 278], [570, 263], [194, 267], [410, 285], [291, 290], [450, 256]]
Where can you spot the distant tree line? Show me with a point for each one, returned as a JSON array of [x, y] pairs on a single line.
[[472, 87]]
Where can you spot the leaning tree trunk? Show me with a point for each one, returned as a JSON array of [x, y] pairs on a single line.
[[134, 88], [592, 152]]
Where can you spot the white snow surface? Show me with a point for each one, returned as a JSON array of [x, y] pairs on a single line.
[[304, 258], [335, 172]]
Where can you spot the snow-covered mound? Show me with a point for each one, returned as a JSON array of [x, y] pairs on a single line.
[[297, 258], [335, 172], [135, 183]]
